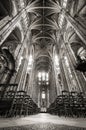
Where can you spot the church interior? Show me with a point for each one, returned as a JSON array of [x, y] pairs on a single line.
[[42, 62]]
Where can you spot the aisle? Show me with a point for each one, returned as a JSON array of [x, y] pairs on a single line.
[[43, 121]]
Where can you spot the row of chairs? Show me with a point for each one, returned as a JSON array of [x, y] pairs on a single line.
[[23, 105], [17, 103], [5, 102], [71, 104]]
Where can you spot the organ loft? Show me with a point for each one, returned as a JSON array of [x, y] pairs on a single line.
[[42, 57]]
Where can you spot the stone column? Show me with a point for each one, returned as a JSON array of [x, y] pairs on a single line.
[[79, 77], [73, 71], [63, 76], [58, 86], [19, 74], [79, 29], [52, 86], [24, 74]]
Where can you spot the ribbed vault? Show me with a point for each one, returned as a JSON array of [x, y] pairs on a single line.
[[43, 26]]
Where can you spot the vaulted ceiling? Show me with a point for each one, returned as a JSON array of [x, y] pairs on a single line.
[[43, 15], [43, 21]]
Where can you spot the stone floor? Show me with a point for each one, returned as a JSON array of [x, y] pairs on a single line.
[[44, 126], [43, 121]]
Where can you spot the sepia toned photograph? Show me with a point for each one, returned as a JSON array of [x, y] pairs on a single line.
[[42, 64]]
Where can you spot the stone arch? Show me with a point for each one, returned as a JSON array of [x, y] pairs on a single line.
[[13, 42], [43, 63], [42, 53], [10, 49]]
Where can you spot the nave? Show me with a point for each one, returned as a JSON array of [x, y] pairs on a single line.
[[42, 64], [42, 121]]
